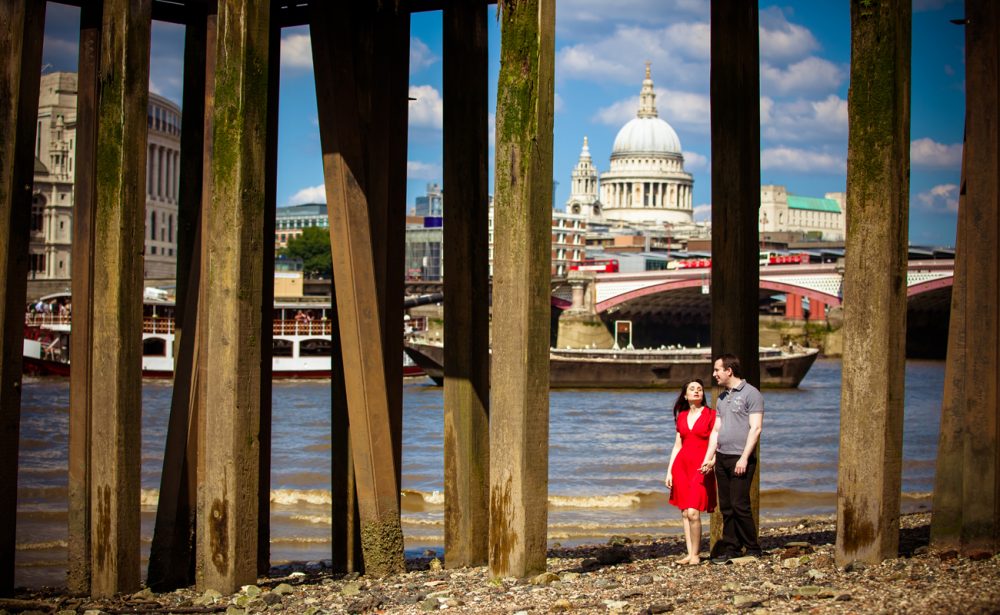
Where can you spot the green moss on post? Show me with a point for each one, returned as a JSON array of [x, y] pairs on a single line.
[[382, 542]]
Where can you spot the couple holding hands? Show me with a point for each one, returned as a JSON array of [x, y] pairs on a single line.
[[716, 448]]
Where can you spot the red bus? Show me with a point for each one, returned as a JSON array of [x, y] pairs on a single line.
[[600, 265]]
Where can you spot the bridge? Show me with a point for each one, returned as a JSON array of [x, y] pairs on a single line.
[[682, 295]]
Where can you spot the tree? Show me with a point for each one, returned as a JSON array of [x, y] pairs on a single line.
[[313, 247]]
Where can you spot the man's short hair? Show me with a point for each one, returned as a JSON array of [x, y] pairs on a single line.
[[730, 361]]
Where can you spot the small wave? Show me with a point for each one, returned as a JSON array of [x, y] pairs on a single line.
[[294, 496], [40, 546], [619, 500], [315, 519], [149, 497], [300, 540]]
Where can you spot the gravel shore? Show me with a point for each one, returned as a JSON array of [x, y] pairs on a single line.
[[796, 575]]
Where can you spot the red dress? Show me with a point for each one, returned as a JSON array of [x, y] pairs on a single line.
[[692, 489]]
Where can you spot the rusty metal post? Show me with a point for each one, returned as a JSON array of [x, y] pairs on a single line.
[[735, 97], [466, 295], [228, 514], [22, 26], [878, 164], [519, 397]]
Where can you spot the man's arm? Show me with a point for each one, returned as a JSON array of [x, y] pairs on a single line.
[[756, 424]]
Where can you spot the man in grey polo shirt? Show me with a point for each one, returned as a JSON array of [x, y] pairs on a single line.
[[741, 408]]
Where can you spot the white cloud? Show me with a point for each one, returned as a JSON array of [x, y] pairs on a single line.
[[694, 161], [312, 194], [491, 130], [558, 104], [801, 160], [804, 120], [811, 75], [679, 109], [929, 154], [422, 170], [679, 54], [703, 212], [421, 55], [580, 18], [427, 111], [941, 198], [781, 41], [296, 51]]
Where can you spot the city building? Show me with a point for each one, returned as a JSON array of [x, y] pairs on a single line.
[[646, 181], [424, 251], [569, 232], [432, 203], [820, 219], [53, 189], [290, 221]]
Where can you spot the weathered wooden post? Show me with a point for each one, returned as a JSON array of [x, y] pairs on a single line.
[[735, 102], [342, 38], [519, 397], [171, 560], [80, 381], [981, 453], [22, 26], [228, 511], [116, 360], [871, 411], [946, 522], [466, 282]]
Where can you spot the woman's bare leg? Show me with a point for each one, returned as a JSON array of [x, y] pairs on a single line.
[[694, 547], [687, 538]]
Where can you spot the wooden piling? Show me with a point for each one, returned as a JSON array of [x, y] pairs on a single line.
[[118, 236], [466, 287], [981, 453], [80, 380], [946, 522], [519, 426], [342, 38], [22, 25], [228, 513], [871, 412], [735, 117], [171, 559]]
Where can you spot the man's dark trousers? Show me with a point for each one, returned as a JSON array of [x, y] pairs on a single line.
[[738, 527]]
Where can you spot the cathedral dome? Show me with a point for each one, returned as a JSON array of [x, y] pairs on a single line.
[[646, 135]]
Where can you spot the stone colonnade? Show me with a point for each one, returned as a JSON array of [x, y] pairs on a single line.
[[646, 194]]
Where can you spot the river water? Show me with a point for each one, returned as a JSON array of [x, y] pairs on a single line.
[[608, 452]]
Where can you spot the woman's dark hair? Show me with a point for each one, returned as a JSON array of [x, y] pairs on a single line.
[[682, 403]]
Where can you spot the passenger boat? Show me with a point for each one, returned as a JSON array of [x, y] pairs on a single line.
[[636, 369], [301, 343]]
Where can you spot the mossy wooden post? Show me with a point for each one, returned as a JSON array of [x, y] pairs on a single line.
[[267, 300], [342, 36], [946, 522], [466, 281], [22, 26], [981, 458], [228, 515], [171, 559], [519, 397], [116, 390], [735, 102], [81, 351], [878, 163]]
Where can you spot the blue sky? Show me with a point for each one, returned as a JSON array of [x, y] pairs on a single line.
[[601, 48]]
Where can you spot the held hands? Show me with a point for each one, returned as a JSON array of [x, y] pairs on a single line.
[[741, 467], [707, 466]]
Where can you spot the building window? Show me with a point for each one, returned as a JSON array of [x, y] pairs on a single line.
[[152, 226], [152, 250], [37, 215]]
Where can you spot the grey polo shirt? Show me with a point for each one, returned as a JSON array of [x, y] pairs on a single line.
[[734, 408]]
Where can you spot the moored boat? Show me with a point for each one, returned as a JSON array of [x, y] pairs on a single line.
[[301, 347], [640, 368]]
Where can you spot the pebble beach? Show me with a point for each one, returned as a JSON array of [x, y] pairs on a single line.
[[633, 575]]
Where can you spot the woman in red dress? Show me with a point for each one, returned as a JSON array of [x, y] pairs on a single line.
[[690, 477]]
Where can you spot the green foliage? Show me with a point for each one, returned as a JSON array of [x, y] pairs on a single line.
[[313, 247]]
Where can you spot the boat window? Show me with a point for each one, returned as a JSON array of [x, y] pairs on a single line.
[[281, 348], [315, 348], [154, 347]]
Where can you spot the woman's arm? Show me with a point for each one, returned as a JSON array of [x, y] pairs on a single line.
[[713, 443], [669, 481]]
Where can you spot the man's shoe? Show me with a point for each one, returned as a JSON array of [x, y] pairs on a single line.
[[755, 553], [722, 558]]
